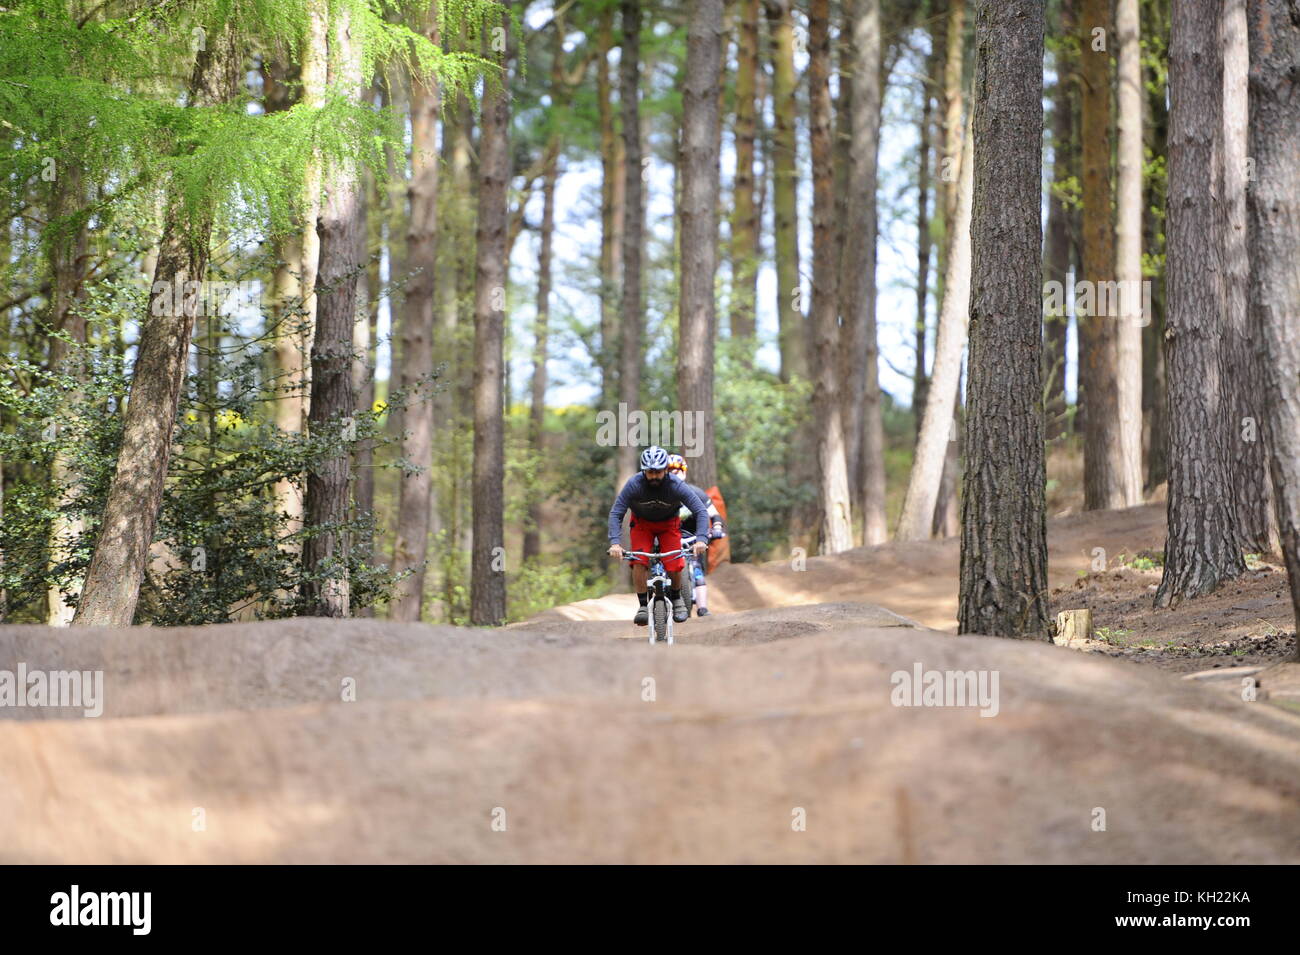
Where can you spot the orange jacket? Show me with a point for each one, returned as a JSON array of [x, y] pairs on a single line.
[[720, 549]]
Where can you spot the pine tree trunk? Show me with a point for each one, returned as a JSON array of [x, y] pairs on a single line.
[[1058, 243], [1004, 514], [364, 352], [610, 187], [67, 258], [832, 467], [792, 326], [488, 579], [1201, 548], [933, 76], [112, 586], [1098, 339], [932, 445], [1154, 397], [953, 130], [1243, 367], [1128, 254], [1274, 237], [861, 373], [415, 490], [793, 329], [852, 370], [290, 341], [315, 78], [541, 329], [947, 509], [341, 230], [455, 340], [698, 209], [744, 221], [629, 372]]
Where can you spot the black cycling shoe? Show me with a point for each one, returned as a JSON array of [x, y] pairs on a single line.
[[680, 613], [642, 617], [702, 611]]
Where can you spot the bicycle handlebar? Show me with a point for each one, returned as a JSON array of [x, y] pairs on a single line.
[[640, 553]]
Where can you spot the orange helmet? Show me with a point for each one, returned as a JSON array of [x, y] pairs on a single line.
[[677, 463]]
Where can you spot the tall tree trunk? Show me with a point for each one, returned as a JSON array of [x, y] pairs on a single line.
[[611, 189], [315, 80], [1058, 243], [744, 220], [1154, 397], [1243, 368], [67, 257], [1128, 253], [793, 329], [1098, 341], [947, 509], [1274, 236], [852, 372], [112, 586], [415, 492], [699, 218], [928, 82], [342, 232], [364, 352], [455, 331], [541, 329], [792, 326], [832, 468], [1201, 548], [629, 371], [488, 579], [289, 328], [861, 372], [1004, 513], [932, 446], [953, 129]]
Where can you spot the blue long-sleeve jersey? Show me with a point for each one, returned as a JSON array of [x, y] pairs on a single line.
[[656, 504]]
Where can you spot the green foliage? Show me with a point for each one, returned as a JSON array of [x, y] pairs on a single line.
[[537, 587], [1147, 560], [223, 548], [1113, 636], [582, 476], [89, 94], [75, 421], [756, 419]]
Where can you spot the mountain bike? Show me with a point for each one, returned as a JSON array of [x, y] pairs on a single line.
[[657, 585]]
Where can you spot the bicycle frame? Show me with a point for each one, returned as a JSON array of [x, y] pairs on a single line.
[[657, 584]]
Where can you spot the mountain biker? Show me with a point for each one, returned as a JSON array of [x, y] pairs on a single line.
[[655, 501], [717, 529]]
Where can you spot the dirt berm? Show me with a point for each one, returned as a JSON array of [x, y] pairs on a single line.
[[560, 742]]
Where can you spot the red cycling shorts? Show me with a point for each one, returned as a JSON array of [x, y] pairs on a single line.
[[669, 532]]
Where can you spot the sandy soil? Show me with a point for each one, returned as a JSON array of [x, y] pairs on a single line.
[[917, 580], [566, 739], [1246, 622]]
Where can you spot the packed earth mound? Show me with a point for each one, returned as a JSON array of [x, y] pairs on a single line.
[[917, 580], [786, 734]]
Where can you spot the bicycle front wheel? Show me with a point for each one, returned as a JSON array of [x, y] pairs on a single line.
[[659, 618]]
